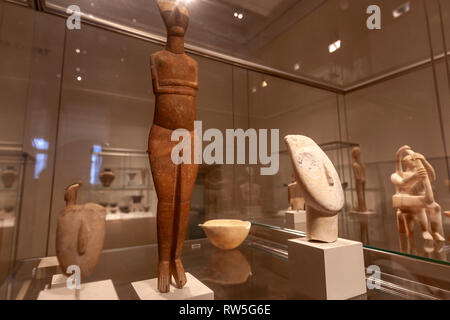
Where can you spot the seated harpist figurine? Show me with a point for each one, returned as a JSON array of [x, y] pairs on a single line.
[[414, 198]]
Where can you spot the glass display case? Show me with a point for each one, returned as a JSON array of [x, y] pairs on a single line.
[[81, 103], [13, 164]]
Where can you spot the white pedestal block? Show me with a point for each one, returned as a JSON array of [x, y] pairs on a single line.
[[296, 220], [101, 290], [194, 290], [58, 281], [47, 266], [326, 271], [48, 262]]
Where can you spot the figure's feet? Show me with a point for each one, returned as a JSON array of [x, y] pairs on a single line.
[[179, 276], [164, 277], [427, 236], [438, 237]]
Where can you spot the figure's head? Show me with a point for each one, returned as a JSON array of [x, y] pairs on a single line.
[[175, 16], [356, 153], [409, 163]]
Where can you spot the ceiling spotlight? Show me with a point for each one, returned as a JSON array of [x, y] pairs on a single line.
[[78, 69], [79, 78], [239, 15], [77, 50], [405, 8], [264, 84], [297, 66], [334, 46], [254, 90]]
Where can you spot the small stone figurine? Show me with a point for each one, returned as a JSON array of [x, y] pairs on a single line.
[[80, 233], [296, 201], [320, 185], [359, 171], [175, 83], [414, 198]]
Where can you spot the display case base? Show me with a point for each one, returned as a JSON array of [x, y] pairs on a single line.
[[101, 290], [326, 271], [194, 290], [296, 220]]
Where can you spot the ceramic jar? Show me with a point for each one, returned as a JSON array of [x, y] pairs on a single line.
[[107, 177], [9, 176]]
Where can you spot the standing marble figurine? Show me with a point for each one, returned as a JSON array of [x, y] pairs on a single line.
[[320, 185], [359, 171], [296, 201], [175, 83], [414, 198], [80, 233]]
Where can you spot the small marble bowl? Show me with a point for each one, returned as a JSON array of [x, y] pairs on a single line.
[[226, 234]]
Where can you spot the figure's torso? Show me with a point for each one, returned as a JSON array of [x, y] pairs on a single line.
[[413, 187], [175, 82]]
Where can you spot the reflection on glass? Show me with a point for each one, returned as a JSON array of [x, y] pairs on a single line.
[[228, 267]]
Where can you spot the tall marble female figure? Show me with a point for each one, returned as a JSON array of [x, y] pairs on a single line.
[[175, 82]]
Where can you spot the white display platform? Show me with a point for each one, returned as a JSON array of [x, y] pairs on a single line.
[[129, 216], [326, 271], [194, 290], [295, 220], [48, 262], [362, 214], [42, 270], [58, 281], [101, 290]]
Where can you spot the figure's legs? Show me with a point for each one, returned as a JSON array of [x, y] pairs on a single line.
[[422, 220], [165, 243], [435, 214], [163, 171], [363, 197], [409, 224], [186, 177], [401, 223]]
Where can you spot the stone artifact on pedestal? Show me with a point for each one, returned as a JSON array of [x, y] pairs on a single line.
[[321, 266], [9, 176], [296, 201], [175, 83], [320, 185], [80, 233], [414, 198], [359, 172], [295, 216], [107, 177]]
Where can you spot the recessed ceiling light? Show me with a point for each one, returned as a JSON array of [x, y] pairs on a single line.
[[297, 66], [239, 15], [405, 8], [79, 78], [254, 90], [78, 69], [264, 84], [77, 50], [334, 46]]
